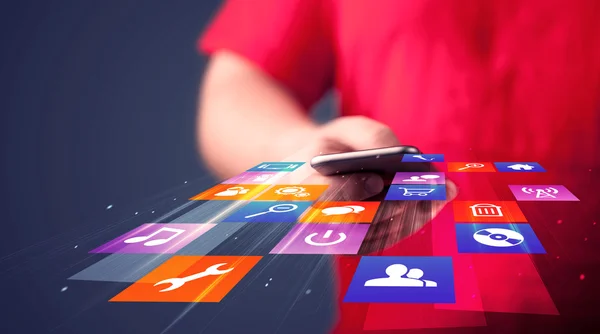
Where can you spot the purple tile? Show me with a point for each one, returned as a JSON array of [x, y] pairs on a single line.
[[419, 178], [322, 239], [254, 178], [539, 192], [155, 239]]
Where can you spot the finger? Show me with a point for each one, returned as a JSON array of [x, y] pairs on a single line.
[[349, 187], [362, 133], [397, 220], [451, 193], [394, 222]]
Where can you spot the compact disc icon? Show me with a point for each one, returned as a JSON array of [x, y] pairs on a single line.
[[498, 237]]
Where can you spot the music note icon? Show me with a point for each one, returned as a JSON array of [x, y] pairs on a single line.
[[155, 242]]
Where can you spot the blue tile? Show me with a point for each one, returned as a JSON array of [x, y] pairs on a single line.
[[402, 279], [498, 239], [269, 212], [519, 167], [403, 192]]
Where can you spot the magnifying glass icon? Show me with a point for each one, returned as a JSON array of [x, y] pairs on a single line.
[[279, 208], [473, 165]]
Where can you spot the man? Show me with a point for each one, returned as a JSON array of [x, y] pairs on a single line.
[[491, 80]]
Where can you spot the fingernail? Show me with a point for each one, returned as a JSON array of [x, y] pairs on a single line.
[[373, 184], [451, 191]]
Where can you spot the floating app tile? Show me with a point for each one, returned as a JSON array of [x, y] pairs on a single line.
[[289, 192], [423, 158], [254, 178], [488, 211], [269, 212], [192, 279], [519, 167], [471, 167], [253, 239], [202, 212], [231, 192], [409, 192], [213, 239], [155, 239], [322, 239], [419, 178], [497, 238], [400, 279], [126, 268], [540, 192], [276, 167], [340, 212]]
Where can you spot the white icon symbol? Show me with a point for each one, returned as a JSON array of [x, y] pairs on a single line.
[[296, 191], [541, 193], [342, 210], [233, 191], [279, 208], [396, 273], [262, 178], [418, 156], [498, 237], [521, 167], [473, 165], [156, 242], [327, 235], [486, 210], [177, 282], [278, 166], [408, 192], [422, 178]]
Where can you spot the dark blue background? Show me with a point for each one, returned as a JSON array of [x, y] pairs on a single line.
[[97, 106]]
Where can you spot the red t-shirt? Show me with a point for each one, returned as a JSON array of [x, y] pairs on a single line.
[[487, 80]]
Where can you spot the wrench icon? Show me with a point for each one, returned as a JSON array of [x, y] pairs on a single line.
[[177, 282]]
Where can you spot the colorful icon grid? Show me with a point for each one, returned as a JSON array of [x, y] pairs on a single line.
[[328, 227]]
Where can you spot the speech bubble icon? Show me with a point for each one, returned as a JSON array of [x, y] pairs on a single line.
[[356, 208], [336, 210], [430, 177], [342, 210]]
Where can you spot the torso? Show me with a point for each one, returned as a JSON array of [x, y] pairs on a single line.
[[516, 80], [503, 80]]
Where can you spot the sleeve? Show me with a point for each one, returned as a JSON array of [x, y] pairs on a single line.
[[290, 40]]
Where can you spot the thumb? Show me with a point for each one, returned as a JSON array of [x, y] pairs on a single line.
[[349, 187], [361, 133]]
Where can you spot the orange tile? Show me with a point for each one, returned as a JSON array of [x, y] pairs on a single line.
[[340, 212], [293, 192], [202, 290], [471, 167], [488, 211], [232, 192]]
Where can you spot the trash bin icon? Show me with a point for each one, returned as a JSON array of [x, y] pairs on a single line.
[[486, 210]]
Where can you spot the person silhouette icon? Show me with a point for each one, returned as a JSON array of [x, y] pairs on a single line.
[[415, 178], [395, 277], [417, 273]]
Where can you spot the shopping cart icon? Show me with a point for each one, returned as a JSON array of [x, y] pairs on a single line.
[[416, 191]]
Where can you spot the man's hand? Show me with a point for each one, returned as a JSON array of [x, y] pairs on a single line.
[[395, 220]]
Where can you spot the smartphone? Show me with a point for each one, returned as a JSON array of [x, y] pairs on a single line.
[[386, 160]]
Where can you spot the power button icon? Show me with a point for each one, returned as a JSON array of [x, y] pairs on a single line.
[[327, 235]]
